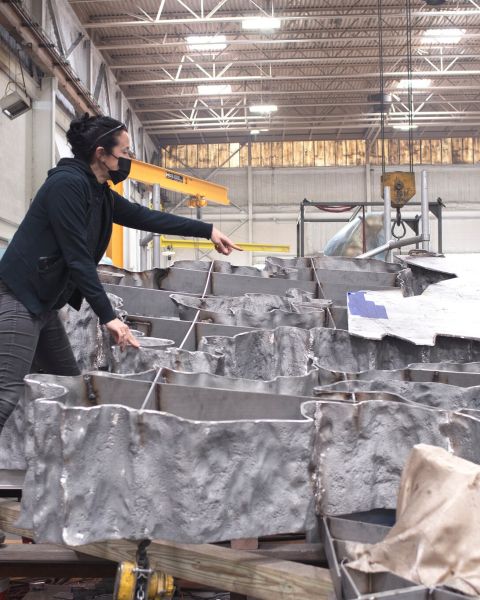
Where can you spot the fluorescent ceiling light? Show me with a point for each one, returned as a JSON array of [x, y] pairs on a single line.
[[417, 84], [404, 126], [263, 109], [261, 23], [206, 43], [214, 90], [443, 36], [257, 131]]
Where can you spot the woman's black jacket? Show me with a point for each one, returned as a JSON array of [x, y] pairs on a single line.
[[53, 256]]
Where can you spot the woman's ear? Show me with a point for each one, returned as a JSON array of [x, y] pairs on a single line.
[[99, 153]]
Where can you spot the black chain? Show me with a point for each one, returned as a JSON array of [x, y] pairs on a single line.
[[143, 569], [141, 585]]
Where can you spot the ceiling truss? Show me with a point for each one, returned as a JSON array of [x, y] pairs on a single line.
[[320, 68]]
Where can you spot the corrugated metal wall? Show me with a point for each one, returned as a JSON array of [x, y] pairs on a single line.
[[288, 187]]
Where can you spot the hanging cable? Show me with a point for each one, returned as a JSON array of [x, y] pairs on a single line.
[[410, 83], [381, 81], [399, 224]]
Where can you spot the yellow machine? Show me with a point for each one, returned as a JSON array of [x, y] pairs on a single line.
[[136, 581], [402, 187], [199, 191], [197, 202]]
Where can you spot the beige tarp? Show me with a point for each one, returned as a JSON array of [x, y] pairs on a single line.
[[436, 540]]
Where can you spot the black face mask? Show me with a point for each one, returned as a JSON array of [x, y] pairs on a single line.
[[124, 166]]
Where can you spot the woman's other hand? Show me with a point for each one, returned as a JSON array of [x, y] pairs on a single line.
[[122, 334]]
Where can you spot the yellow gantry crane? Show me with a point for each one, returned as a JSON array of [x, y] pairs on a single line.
[[199, 191]]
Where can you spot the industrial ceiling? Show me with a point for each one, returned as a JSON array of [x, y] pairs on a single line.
[[318, 65]]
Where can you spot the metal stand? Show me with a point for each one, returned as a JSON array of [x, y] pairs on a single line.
[[436, 208]]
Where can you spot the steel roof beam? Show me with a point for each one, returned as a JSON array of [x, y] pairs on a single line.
[[307, 127], [162, 43], [277, 77], [172, 110], [286, 61], [98, 23], [314, 92]]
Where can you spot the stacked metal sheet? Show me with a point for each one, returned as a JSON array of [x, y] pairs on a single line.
[[263, 412]]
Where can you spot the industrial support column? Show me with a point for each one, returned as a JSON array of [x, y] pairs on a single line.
[[156, 237], [198, 213], [115, 247], [143, 247], [250, 210], [368, 186], [130, 236], [302, 228], [425, 213], [43, 127]]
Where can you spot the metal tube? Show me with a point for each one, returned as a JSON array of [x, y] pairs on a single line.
[[298, 237], [156, 237], [440, 228], [425, 213], [199, 218], [387, 217], [391, 245], [250, 210], [302, 229], [364, 231], [143, 247], [146, 239]]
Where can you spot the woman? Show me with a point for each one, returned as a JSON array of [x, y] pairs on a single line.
[[52, 258]]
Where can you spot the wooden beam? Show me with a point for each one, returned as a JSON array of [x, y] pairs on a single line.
[[260, 577], [48, 560]]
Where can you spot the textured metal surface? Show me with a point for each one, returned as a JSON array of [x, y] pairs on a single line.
[[435, 312], [255, 310], [160, 476], [433, 395], [336, 275], [231, 442], [197, 396], [243, 433], [421, 372], [115, 275], [335, 351], [133, 361], [178, 330], [82, 391], [302, 385], [337, 263], [219, 266], [144, 301], [91, 343], [360, 449], [262, 354]]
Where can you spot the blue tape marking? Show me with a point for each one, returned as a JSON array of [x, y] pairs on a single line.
[[357, 305]]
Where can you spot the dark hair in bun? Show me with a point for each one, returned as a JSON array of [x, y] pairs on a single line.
[[87, 133]]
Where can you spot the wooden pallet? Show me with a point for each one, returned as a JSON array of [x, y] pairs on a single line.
[[252, 574]]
